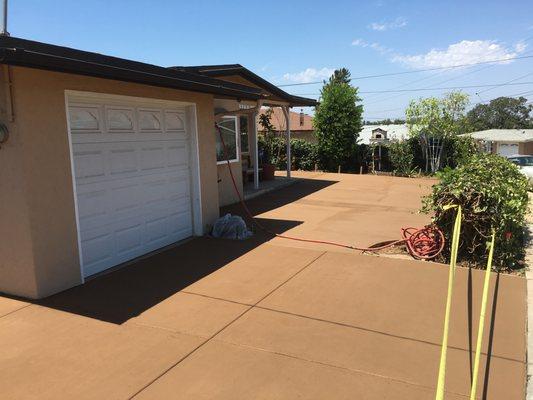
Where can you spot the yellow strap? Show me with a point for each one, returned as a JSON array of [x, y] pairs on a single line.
[[453, 260], [482, 318]]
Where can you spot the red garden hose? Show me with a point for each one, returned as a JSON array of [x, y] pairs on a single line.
[[423, 244]]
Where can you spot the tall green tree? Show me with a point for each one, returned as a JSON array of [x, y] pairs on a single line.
[[435, 120], [501, 113], [338, 119], [341, 75]]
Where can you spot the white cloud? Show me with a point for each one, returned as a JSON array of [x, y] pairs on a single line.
[[359, 42], [375, 46], [309, 75], [520, 47], [399, 22], [464, 52]]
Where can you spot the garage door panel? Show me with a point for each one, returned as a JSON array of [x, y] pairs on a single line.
[[132, 182], [129, 238], [123, 160], [177, 156], [92, 203], [125, 199], [98, 248], [156, 229], [89, 163], [179, 222], [153, 157], [178, 184]]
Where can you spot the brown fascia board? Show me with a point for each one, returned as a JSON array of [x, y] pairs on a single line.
[[237, 69], [32, 54]]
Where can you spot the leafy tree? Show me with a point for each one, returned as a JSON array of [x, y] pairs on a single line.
[[340, 76], [267, 146], [501, 113], [433, 121], [265, 120], [337, 120], [387, 121]]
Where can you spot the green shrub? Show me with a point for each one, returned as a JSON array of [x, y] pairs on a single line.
[[401, 158], [304, 154], [458, 150], [493, 194]]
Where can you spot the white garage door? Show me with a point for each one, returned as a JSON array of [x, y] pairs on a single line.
[[507, 149], [132, 178]]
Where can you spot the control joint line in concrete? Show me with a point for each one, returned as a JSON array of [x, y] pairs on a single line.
[[378, 332], [349, 370], [217, 298], [14, 311], [223, 328]]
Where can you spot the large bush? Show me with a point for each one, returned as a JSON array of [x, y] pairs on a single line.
[[304, 155], [458, 150], [493, 195], [401, 158]]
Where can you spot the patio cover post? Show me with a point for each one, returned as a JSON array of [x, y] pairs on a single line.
[[286, 112], [255, 148]]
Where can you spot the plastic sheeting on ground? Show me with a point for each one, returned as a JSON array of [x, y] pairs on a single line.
[[231, 227]]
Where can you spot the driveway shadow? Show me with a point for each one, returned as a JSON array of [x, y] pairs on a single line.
[[132, 289]]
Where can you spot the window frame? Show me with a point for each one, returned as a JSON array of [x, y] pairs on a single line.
[[237, 140], [247, 134]]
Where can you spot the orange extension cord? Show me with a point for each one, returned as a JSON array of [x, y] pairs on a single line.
[[423, 244]]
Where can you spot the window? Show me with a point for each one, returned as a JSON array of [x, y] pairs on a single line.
[[243, 127], [228, 127]]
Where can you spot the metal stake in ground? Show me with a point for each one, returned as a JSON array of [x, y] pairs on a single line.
[[453, 260]]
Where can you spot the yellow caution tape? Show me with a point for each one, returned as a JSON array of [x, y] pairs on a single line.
[[482, 318], [451, 275]]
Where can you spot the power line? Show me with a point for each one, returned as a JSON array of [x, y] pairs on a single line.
[[512, 80], [413, 72], [473, 105], [423, 89], [387, 98]]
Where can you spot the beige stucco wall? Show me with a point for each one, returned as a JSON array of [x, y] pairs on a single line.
[[16, 250], [39, 253], [226, 191]]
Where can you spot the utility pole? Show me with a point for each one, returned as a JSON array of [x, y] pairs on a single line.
[[3, 27]]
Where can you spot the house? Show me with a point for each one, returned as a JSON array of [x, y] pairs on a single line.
[[505, 142], [383, 133], [103, 159], [301, 125]]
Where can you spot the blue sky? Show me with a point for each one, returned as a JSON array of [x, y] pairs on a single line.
[[303, 41]]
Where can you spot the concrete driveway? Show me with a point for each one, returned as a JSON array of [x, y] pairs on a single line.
[[270, 318]]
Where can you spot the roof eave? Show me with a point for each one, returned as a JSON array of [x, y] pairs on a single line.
[[20, 52], [232, 69]]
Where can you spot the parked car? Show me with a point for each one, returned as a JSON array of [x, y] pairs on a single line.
[[525, 163]]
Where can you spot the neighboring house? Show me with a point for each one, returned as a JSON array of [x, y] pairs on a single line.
[[108, 159], [383, 133], [505, 142], [301, 124]]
